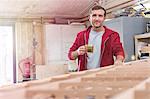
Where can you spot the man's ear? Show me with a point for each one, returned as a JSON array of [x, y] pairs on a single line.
[[104, 17]]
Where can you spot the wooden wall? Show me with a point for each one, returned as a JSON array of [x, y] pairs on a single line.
[[24, 32]]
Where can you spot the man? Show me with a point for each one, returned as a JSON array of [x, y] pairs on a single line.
[[106, 43]]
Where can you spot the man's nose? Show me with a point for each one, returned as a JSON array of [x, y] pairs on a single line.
[[97, 17]]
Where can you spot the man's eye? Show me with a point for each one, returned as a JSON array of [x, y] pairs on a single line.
[[94, 15], [100, 15]]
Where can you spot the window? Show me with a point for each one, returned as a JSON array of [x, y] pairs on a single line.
[[6, 55]]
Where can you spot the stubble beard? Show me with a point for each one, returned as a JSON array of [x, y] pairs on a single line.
[[98, 27]]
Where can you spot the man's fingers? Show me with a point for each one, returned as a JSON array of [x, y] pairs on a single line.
[[117, 62], [81, 50]]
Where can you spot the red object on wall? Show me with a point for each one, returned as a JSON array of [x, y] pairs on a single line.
[[25, 67], [27, 70]]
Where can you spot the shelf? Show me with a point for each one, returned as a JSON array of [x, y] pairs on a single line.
[[140, 36], [145, 49], [142, 44]]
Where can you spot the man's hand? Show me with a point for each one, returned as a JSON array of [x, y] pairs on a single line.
[[119, 60], [81, 50]]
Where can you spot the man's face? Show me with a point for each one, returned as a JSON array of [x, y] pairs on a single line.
[[97, 18]]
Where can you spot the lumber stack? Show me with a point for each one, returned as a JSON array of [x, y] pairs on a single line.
[[127, 81]]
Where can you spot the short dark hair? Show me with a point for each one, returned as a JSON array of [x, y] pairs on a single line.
[[98, 7]]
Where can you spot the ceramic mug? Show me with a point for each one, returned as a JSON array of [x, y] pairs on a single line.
[[89, 48]]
